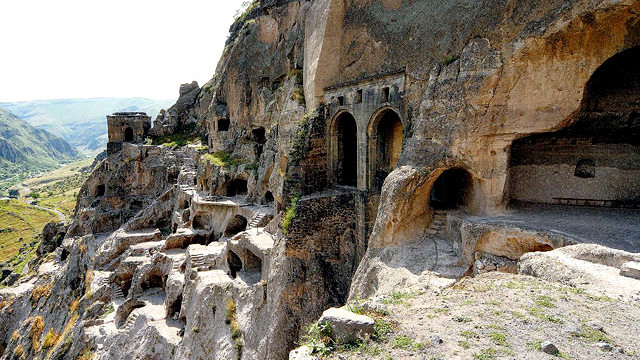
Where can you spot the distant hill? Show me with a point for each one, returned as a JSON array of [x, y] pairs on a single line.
[[82, 122], [25, 149]]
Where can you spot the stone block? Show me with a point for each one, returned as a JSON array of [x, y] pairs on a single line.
[[631, 269], [345, 325]]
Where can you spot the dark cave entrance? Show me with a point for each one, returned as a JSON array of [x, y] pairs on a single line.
[[237, 225], [237, 187], [234, 263], [347, 150], [452, 190], [128, 134]]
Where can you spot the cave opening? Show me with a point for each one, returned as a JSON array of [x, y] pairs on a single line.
[[234, 263], [236, 225], [237, 187], [346, 161], [451, 190]]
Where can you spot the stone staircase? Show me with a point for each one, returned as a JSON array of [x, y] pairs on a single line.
[[438, 224], [117, 292], [256, 220], [175, 267], [131, 321], [200, 262]]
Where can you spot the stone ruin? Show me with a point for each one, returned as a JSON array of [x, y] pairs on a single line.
[[131, 127]]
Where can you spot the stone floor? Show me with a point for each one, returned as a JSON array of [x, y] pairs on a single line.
[[615, 228]]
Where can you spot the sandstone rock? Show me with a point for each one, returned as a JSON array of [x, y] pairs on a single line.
[[631, 269], [345, 325]]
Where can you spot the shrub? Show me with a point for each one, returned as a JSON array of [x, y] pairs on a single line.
[[18, 352], [290, 214], [41, 291], [37, 326], [50, 339]]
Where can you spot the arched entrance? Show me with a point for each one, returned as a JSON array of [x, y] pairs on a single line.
[[128, 134], [385, 146], [595, 160], [345, 150], [451, 190], [234, 263], [236, 225], [237, 187]]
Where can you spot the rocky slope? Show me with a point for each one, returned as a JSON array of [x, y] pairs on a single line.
[[348, 150]]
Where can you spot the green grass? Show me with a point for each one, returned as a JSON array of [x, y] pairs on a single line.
[[290, 214], [222, 159], [407, 343], [399, 297], [187, 134], [19, 225]]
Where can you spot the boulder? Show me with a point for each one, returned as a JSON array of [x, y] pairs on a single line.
[[631, 269], [302, 353], [345, 325]]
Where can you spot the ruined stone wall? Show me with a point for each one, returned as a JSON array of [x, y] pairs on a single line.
[[545, 172]]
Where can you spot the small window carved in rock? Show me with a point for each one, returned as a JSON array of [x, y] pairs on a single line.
[[385, 94], [340, 100], [223, 124], [358, 97], [585, 168]]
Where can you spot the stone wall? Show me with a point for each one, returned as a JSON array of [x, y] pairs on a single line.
[[549, 169]]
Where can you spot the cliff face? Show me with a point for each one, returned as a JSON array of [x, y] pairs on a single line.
[[338, 136]]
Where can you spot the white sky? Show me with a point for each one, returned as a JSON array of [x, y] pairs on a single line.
[[117, 48]]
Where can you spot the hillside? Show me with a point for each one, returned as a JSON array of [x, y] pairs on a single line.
[[81, 121], [25, 150]]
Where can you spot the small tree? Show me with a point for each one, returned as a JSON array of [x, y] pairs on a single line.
[[14, 193], [34, 195]]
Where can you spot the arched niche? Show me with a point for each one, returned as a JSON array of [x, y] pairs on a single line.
[[344, 150], [385, 145]]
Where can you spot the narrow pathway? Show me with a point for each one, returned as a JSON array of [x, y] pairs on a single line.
[[60, 215]]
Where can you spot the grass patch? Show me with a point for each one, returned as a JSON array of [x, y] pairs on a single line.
[[290, 214], [20, 225], [35, 332], [407, 343], [486, 354], [540, 314], [232, 321], [222, 159], [186, 134], [545, 301], [318, 337], [499, 338], [593, 335], [50, 339], [110, 309], [399, 297]]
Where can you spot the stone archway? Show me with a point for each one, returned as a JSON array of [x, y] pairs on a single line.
[[452, 190], [344, 150], [128, 134], [385, 145]]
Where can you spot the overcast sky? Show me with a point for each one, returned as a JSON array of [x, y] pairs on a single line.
[[53, 49]]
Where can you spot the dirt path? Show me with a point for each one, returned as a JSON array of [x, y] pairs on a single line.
[[60, 215]]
